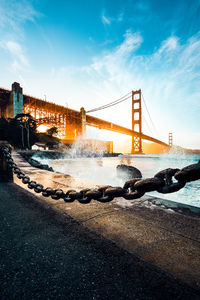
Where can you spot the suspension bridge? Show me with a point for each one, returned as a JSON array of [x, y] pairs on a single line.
[[72, 123]]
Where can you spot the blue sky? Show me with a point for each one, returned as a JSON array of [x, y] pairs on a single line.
[[88, 53]]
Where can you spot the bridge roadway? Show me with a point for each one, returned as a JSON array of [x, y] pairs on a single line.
[[102, 124]]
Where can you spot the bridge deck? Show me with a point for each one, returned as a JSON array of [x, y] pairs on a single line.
[[102, 124]]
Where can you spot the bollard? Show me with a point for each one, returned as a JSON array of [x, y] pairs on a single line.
[[6, 174]]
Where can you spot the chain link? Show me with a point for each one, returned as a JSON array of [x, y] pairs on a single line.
[[162, 182]]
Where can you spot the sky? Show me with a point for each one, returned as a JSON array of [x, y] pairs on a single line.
[[89, 53]]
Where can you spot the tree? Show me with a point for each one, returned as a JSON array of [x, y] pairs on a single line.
[[28, 127], [14, 134], [52, 131], [21, 131]]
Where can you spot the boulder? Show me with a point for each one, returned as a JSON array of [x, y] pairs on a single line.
[[34, 163], [130, 171]]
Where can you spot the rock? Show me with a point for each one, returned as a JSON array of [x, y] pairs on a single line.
[[132, 172], [35, 163], [46, 167]]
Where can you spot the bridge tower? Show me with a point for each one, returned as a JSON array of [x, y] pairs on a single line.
[[170, 139], [15, 103], [136, 121], [83, 121]]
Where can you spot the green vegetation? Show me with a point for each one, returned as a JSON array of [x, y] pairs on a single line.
[[48, 137], [52, 131], [43, 137], [21, 132]]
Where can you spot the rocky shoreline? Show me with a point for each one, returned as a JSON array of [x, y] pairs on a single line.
[[27, 155], [130, 171], [35, 163]]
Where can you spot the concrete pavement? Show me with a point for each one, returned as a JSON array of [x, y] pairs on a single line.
[[45, 254]]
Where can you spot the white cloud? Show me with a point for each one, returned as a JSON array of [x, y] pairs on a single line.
[[170, 44], [132, 41], [111, 61], [16, 50], [15, 13], [19, 60], [114, 19], [105, 20]]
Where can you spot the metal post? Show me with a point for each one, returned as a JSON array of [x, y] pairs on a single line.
[[6, 174]]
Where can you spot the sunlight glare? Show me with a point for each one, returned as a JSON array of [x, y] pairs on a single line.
[[42, 128]]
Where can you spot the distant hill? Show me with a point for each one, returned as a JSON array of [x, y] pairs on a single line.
[[42, 137], [148, 147], [178, 149], [125, 147]]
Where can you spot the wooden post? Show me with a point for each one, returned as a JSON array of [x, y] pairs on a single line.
[[6, 174]]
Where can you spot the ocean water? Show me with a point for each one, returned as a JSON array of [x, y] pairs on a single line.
[[102, 170]]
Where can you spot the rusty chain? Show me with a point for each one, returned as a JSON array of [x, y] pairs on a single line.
[[162, 182]]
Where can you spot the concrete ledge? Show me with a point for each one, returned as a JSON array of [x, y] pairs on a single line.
[[167, 239], [185, 208]]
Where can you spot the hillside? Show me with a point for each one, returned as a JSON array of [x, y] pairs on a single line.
[[148, 147]]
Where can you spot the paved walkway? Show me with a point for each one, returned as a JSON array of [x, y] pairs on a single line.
[[167, 239], [47, 255]]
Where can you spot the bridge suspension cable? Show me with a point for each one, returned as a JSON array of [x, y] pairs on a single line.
[[147, 124], [153, 125], [124, 98]]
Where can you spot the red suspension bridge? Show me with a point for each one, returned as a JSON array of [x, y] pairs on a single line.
[[72, 123]]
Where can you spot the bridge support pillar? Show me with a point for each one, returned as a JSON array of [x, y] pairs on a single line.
[[15, 105], [136, 122], [83, 121]]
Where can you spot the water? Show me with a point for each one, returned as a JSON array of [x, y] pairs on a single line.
[[102, 170]]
